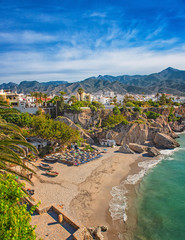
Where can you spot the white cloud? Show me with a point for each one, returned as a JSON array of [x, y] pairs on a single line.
[[25, 37], [75, 64]]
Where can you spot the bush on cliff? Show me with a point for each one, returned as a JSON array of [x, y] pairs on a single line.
[[129, 104], [116, 110], [152, 115], [137, 109], [113, 120]]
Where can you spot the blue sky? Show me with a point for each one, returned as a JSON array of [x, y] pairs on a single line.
[[72, 40]]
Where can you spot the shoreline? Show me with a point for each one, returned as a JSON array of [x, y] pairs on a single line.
[[126, 228], [92, 202], [85, 191]]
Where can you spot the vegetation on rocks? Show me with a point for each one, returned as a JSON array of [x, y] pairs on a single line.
[[152, 115], [113, 120]]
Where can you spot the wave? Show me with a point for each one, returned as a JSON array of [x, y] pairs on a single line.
[[146, 165], [168, 152], [118, 203]]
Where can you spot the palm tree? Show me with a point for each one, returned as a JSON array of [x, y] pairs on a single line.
[[45, 97], [32, 94], [62, 93], [73, 99], [115, 100], [12, 146], [80, 92], [36, 94], [157, 96], [40, 94]]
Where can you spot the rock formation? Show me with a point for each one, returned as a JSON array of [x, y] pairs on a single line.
[[91, 233], [162, 140], [83, 134], [137, 148], [153, 152], [125, 149]]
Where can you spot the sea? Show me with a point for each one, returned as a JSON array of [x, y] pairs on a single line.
[[159, 204]]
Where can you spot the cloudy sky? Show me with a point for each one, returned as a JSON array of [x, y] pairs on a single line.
[[71, 40]]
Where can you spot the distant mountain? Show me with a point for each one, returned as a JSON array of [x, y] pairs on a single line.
[[9, 85], [169, 80]]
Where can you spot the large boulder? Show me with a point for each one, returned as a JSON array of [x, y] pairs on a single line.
[[135, 133], [164, 141], [153, 152], [137, 148], [125, 149], [70, 123]]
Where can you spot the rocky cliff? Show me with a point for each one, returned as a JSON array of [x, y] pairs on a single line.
[[87, 118], [152, 133]]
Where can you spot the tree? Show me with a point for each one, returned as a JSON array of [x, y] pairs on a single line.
[[162, 99], [36, 94], [152, 115], [80, 92], [62, 94], [116, 110], [62, 103], [32, 94], [115, 100], [12, 145], [45, 97], [40, 94], [14, 217], [157, 96], [73, 99], [128, 98]]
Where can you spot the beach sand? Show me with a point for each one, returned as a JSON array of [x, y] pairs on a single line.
[[85, 190]]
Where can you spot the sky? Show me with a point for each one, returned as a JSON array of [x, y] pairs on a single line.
[[49, 40]]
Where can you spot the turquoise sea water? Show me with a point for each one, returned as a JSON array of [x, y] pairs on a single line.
[[160, 199]]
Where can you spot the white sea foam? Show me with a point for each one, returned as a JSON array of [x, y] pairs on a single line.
[[145, 165], [168, 152], [118, 203]]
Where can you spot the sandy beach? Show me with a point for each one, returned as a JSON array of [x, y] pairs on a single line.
[[85, 190]]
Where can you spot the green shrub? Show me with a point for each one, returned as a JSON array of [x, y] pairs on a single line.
[[93, 108], [113, 120], [152, 115], [14, 217], [116, 110], [22, 120], [125, 122], [129, 104], [137, 109], [88, 147], [176, 104]]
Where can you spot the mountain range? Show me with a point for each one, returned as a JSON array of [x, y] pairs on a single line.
[[169, 80]]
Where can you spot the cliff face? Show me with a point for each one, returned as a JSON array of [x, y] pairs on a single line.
[[86, 118], [83, 134], [154, 133]]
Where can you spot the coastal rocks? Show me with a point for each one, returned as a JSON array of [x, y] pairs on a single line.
[[178, 127], [153, 152], [164, 141], [94, 233], [87, 118], [86, 234], [135, 133], [125, 149], [83, 134], [137, 148]]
